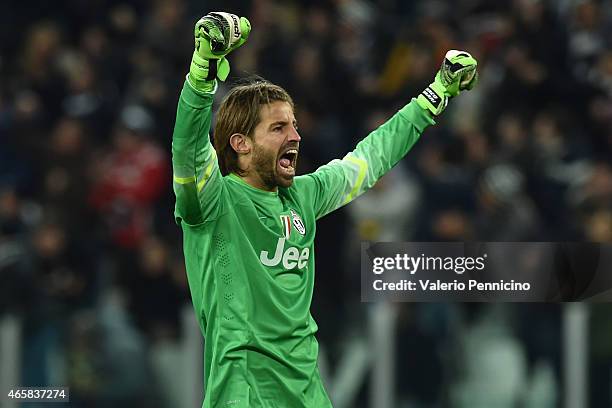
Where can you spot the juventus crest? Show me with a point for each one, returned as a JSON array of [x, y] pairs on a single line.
[[298, 223], [294, 219]]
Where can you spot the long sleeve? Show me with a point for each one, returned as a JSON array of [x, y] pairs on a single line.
[[197, 179], [340, 181]]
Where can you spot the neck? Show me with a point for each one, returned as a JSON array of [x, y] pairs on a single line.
[[254, 180]]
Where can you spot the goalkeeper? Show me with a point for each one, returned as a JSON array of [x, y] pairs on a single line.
[[249, 223]]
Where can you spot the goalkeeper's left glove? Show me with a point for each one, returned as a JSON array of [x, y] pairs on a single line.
[[458, 73]]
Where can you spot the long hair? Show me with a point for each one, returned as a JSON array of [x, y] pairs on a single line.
[[240, 113]]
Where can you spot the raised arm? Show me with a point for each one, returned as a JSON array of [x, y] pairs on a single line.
[[197, 179], [341, 181]]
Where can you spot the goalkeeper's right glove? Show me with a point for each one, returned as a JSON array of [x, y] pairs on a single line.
[[216, 35], [458, 73]]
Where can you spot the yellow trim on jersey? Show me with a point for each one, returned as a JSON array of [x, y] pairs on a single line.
[[184, 180], [208, 171], [363, 168]]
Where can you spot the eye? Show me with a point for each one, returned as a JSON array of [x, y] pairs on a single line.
[[277, 128]]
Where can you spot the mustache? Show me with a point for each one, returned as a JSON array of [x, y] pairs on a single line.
[[289, 146]]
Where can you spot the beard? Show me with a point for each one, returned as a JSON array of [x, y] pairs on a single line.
[[264, 164]]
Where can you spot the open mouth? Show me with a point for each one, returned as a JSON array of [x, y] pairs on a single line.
[[287, 161]]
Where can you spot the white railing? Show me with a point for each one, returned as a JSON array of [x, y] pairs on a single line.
[[575, 334], [10, 351], [363, 355]]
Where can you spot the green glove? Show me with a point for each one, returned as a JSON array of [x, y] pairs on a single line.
[[458, 73], [216, 35]]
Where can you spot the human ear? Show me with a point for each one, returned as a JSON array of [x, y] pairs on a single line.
[[240, 143]]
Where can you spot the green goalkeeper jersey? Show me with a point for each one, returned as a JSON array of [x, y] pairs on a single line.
[[249, 256]]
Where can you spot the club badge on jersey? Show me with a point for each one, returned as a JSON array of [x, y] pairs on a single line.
[[294, 219], [298, 223]]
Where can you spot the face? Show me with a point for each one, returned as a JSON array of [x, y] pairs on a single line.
[[276, 144]]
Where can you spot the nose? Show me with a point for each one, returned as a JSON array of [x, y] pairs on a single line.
[[294, 136]]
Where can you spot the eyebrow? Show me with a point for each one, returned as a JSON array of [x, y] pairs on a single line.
[[282, 123]]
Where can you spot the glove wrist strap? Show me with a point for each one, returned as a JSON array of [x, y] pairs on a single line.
[[202, 73], [433, 98]]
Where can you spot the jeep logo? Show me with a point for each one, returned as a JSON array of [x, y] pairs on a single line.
[[290, 258]]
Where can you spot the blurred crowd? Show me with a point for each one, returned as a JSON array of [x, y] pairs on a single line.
[[88, 93]]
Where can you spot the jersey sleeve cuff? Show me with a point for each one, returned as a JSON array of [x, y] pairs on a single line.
[[195, 98], [418, 116]]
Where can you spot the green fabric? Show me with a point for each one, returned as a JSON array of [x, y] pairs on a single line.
[[249, 256]]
